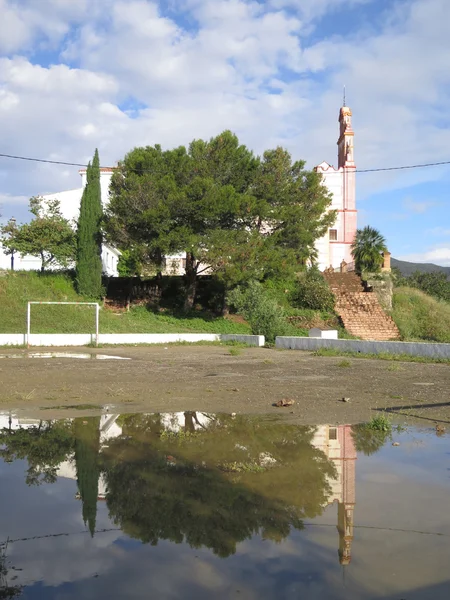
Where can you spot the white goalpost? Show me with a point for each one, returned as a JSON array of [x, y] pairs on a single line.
[[97, 311]]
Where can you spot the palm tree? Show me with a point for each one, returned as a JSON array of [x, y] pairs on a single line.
[[367, 249]]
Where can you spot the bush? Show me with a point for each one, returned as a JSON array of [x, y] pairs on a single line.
[[263, 313], [313, 292]]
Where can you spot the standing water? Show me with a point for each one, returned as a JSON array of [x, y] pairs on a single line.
[[200, 505]]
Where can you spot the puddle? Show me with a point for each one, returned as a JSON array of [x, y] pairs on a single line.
[[76, 355], [200, 505]]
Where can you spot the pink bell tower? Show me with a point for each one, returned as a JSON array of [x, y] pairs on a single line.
[[335, 246], [346, 162]]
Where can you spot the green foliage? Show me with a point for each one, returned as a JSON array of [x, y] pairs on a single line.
[[48, 236], [367, 250], [87, 447], [129, 264], [434, 284], [370, 438], [313, 292], [241, 216], [19, 287], [89, 236], [380, 423], [44, 447], [265, 316], [421, 317]]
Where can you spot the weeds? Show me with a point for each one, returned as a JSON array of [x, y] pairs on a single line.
[[344, 363], [234, 351], [380, 423]]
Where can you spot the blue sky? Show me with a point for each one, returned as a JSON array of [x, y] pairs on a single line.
[[114, 74]]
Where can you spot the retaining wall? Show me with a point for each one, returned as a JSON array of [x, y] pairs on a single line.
[[428, 350], [83, 339]]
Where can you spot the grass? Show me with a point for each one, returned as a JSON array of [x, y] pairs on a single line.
[[380, 423], [234, 351], [381, 356], [16, 289], [421, 317], [344, 363]]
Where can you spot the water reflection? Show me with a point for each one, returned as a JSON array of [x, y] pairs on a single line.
[[207, 487], [205, 479]]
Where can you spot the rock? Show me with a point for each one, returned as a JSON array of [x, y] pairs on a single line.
[[396, 444], [284, 402], [345, 399], [233, 414]]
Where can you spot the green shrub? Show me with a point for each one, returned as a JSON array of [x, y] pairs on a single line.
[[313, 292], [263, 313]]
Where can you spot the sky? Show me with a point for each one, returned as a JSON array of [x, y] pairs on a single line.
[[115, 74]]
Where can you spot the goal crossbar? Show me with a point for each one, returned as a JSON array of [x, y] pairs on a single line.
[[97, 311]]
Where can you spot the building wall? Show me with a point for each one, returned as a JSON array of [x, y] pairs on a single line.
[[70, 201]]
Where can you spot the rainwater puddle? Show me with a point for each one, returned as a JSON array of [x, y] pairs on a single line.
[[200, 505], [75, 355]]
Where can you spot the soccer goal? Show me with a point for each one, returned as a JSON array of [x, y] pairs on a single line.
[[97, 311]]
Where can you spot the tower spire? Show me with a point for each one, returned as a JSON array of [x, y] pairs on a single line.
[[344, 97]]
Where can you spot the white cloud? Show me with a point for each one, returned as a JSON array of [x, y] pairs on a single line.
[[439, 256], [246, 66], [418, 207]]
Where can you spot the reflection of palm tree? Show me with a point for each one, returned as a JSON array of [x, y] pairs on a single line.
[[367, 440]]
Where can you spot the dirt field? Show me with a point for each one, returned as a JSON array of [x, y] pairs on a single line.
[[209, 378]]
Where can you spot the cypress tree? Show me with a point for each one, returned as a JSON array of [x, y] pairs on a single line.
[[89, 237], [87, 447]]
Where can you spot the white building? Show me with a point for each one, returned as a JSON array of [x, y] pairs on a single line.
[[70, 201]]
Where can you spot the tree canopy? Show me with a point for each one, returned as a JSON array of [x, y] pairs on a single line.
[[226, 210], [48, 236]]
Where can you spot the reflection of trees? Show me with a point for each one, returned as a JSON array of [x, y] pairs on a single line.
[[87, 446], [367, 440], [6, 591], [217, 486], [44, 447]]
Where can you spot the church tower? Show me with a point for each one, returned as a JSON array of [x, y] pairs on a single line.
[[335, 246]]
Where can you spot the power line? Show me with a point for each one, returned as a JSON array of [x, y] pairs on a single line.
[[73, 164]]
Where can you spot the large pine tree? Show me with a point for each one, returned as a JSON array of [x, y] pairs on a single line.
[[89, 248]]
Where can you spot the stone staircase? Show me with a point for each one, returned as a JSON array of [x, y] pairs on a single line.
[[360, 311]]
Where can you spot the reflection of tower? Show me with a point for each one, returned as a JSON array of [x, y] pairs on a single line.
[[337, 444]]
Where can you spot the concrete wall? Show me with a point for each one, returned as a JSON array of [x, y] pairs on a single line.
[[428, 350], [251, 340], [83, 339]]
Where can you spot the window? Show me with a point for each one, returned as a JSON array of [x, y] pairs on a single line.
[[333, 235], [333, 433], [183, 263]]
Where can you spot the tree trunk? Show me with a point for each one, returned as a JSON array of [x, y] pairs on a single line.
[[191, 282]]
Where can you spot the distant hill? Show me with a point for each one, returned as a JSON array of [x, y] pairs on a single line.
[[407, 268]]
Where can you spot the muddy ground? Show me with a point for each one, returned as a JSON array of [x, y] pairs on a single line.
[[209, 378]]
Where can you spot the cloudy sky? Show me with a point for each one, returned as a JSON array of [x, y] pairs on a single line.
[[113, 74]]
